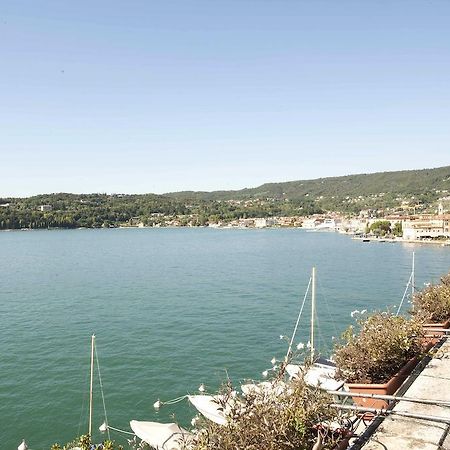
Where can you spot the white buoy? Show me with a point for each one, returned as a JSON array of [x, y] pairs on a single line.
[[265, 373], [23, 445], [273, 361], [201, 388], [157, 404], [103, 427]]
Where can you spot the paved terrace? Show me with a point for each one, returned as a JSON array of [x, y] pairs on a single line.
[[400, 433]]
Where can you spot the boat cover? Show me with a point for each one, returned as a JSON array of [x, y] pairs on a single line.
[[210, 407], [318, 375], [161, 436], [265, 387]]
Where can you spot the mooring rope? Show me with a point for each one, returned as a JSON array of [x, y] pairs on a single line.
[[101, 390], [288, 354], [404, 294], [175, 400], [119, 430]]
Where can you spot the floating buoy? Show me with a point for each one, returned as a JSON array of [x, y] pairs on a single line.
[[157, 404], [201, 388], [103, 427], [273, 361], [265, 373], [23, 445]]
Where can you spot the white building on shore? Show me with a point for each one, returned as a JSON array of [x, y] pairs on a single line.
[[426, 227]]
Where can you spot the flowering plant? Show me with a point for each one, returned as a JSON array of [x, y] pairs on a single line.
[[433, 303], [383, 344], [296, 417]]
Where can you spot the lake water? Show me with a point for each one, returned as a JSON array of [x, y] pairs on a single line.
[[171, 308]]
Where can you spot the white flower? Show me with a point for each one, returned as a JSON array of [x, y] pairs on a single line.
[[157, 404], [273, 361], [194, 421], [201, 388], [300, 345], [265, 373]]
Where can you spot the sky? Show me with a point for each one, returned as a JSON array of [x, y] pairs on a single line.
[[139, 96]]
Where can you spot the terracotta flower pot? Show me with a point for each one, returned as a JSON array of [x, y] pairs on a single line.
[[432, 332], [388, 388]]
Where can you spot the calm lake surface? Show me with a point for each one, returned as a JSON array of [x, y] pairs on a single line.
[[171, 308]]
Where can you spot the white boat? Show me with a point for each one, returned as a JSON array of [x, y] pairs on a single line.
[[318, 375], [162, 436], [214, 408], [326, 225], [265, 388]]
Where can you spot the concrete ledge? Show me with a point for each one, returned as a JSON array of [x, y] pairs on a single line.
[[398, 433]]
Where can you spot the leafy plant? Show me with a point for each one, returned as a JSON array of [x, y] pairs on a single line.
[[84, 442], [293, 418], [433, 303], [383, 344]]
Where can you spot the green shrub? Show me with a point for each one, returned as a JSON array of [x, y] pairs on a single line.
[[432, 304], [382, 346], [290, 420], [84, 442]]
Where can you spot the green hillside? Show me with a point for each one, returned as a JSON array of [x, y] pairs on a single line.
[[388, 192], [348, 194], [405, 182]]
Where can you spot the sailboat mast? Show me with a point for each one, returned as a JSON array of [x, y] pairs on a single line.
[[91, 385], [313, 310]]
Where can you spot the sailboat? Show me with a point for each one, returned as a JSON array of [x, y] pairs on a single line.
[[321, 372], [104, 427]]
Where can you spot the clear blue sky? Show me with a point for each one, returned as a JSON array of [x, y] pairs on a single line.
[[158, 96]]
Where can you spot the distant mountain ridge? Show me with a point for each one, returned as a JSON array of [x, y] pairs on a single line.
[[404, 182]]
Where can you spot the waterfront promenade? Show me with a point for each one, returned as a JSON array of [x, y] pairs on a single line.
[[398, 433]]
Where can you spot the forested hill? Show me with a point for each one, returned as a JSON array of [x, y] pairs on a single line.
[[383, 193], [401, 183]]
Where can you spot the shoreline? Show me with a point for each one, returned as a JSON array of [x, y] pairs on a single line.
[[442, 243]]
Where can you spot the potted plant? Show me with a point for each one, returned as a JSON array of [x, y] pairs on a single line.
[[380, 356], [431, 306]]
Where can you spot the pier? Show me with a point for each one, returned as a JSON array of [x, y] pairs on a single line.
[[397, 433]]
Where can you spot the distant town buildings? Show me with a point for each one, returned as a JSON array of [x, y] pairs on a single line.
[[427, 226]]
